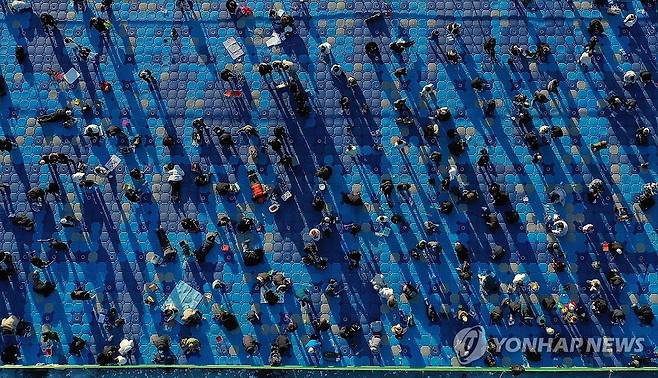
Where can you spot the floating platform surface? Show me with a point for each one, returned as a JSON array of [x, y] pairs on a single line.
[[109, 248]]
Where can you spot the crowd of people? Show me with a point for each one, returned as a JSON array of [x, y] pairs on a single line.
[[496, 207]]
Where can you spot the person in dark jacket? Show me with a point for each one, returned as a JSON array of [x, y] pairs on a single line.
[[81, 295], [617, 316], [100, 24], [39, 262], [61, 115], [6, 265], [76, 346], [107, 355], [22, 221], [246, 224], [228, 320], [250, 344], [190, 225], [352, 199], [36, 195], [44, 288], [282, 342], [6, 144], [169, 253], [324, 172], [10, 354], [202, 252], [250, 255], [462, 252], [161, 342], [644, 313], [431, 312]]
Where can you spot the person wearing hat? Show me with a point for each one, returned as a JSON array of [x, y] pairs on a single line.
[[312, 345]]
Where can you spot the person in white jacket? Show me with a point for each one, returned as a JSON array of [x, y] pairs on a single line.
[[175, 179], [19, 6], [126, 346]]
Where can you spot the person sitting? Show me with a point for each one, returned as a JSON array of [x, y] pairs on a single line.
[[226, 188], [36, 195], [352, 199], [202, 179], [262, 279], [271, 297], [354, 258], [190, 345], [275, 356], [22, 221], [76, 346], [464, 271], [374, 343], [462, 252], [126, 347], [10, 324], [246, 224], [190, 225], [93, 131], [348, 331], [558, 226], [614, 279], [161, 342], [225, 137], [169, 312], [6, 265], [488, 283], [496, 314], [313, 345], [599, 306], [107, 355], [431, 312], [10, 354], [113, 319], [44, 288], [208, 243], [557, 195], [615, 247], [462, 315], [617, 316], [398, 330], [644, 313], [497, 252], [457, 147], [132, 194], [251, 256], [409, 290], [81, 295], [318, 203], [490, 219], [281, 282], [228, 320], [250, 344], [283, 344], [192, 317], [324, 172], [168, 251]]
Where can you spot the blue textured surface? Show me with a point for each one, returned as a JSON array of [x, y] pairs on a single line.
[[108, 250]]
